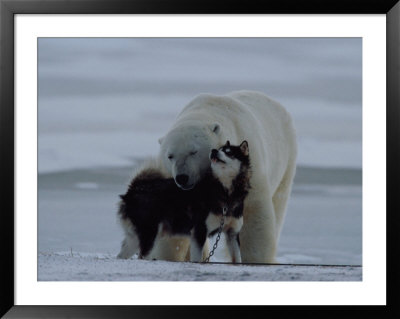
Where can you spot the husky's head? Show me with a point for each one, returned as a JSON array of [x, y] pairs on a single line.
[[229, 161]]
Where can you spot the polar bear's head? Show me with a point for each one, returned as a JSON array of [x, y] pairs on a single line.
[[185, 152]]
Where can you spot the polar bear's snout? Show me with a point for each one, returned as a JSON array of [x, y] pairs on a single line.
[[183, 174], [182, 179]]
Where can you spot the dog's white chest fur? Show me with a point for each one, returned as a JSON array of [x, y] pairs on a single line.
[[226, 172], [214, 221]]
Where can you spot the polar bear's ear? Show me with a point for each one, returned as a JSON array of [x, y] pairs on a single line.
[[160, 140], [215, 128]]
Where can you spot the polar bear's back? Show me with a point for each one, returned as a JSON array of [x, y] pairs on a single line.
[[260, 104], [270, 114], [274, 121], [246, 105]]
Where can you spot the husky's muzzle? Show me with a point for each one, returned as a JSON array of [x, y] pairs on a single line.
[[214, 156]]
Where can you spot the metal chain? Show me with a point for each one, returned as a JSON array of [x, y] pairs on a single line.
[[221, 226]]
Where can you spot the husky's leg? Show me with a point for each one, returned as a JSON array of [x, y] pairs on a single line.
[[233, 244], [129, 246], [147, 240], [198, 238], [232, 239]]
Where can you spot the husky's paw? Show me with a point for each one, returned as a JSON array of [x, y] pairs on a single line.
[[127, 249], [123, 255]]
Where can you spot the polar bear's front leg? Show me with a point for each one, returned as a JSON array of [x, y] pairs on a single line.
[[170, 248], [258, 234]]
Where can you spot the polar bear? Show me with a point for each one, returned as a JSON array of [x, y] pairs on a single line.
[[207, 122]]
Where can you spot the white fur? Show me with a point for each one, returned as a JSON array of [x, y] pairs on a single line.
[[233, 248], [130, 244], [207, 122], [214, 221], [225, 172], [195, 251], [232, 224]]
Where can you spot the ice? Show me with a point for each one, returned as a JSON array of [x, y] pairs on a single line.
[[87, 185], [103, 100]]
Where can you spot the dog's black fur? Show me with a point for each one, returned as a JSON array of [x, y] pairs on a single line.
[[152, 199]]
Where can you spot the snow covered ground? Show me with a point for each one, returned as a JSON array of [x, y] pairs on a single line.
[[103, 104], [103, 267]]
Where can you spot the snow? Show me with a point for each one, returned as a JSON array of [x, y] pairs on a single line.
[[69, 266]]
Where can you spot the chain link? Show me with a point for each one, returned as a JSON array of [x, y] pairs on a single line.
[[221, 227]]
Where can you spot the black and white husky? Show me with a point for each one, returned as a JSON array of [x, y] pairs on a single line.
[[154, 206]]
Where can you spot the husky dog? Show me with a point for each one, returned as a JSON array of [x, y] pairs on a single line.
[[154, 206]]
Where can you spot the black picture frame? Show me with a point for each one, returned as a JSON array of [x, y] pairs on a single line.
[[9, 8]]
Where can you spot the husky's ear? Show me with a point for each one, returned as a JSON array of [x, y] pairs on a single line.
[[228, 143], [215, 128], [160, 140], [244, 147]]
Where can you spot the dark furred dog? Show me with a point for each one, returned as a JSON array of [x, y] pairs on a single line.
[[154, 205]]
